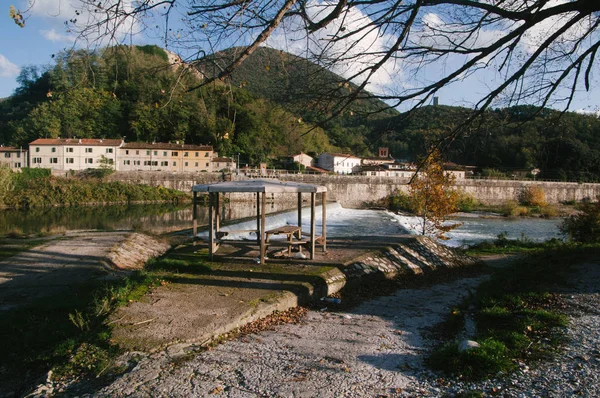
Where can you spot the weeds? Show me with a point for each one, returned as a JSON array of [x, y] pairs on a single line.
[[516, 314]]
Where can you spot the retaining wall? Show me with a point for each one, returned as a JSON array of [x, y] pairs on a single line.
[[356, 191]]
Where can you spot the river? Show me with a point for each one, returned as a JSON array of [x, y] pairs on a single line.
[[341, 222]]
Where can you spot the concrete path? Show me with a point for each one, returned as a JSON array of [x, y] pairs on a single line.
[[374, 350], [70, 260]]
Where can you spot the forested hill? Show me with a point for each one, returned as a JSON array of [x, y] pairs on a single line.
[[562, 145], [135, 93]]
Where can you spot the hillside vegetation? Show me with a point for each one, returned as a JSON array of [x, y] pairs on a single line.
[[274, 105]]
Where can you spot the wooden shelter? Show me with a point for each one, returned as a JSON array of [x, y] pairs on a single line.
[[262, 188]]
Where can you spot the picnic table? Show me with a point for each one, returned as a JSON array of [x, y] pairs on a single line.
[[291, 232]]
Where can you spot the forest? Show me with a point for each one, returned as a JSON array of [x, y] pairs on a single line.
[[265, 110]]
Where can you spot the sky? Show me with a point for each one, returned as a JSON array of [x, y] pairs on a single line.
[[45, 34]]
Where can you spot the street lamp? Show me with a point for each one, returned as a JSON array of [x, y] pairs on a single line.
[[237, 165]]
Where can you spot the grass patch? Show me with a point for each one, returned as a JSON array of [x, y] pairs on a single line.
[[517, 314], [503, 245]]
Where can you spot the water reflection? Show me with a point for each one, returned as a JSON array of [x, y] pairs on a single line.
[[158, 218]]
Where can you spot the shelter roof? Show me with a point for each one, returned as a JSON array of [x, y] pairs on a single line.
[[259, 185]]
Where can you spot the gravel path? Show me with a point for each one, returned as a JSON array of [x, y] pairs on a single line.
[[376, 350]]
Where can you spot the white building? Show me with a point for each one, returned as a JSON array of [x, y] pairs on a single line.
[[15, 158], [223, 164], [73, 153], [303, 159], [338, 163]]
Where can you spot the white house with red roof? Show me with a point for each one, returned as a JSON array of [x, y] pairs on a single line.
[[73, 153], [338, 163]]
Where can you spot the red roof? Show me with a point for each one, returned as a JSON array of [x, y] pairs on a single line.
[[222, 160], [77, 141], [10, 149], [166, 145]]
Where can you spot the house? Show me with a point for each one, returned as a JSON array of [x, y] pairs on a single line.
[[161, 156], [303, 159], [223, 164], [15, 158], [338, 163], [73, 153]]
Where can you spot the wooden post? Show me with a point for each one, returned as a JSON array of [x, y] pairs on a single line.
[[300, 215], [258, 217], [262, 229], [194, 217], [217, 213], [324, 220], [211, 226], [312, 225]]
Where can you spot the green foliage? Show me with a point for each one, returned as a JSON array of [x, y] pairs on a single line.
[[584, 227], [465, 201], [488, 359], [399, 201], [31, 192]]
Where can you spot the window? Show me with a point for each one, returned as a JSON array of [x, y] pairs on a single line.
[[148, 153], [197, 153], [185, 154], [206, 154], [37, 149], [89, 161], [146, 163], [164, 163], [70, 150], [37, 160], [18, 164], [155, 163], [7, 155], [186, 164], [88, 150], [174, 163], [207, 164], [137, 152], [165, 153], [53, 149], [196, 164], [126, 162], [155, 153], [54, 160], [126, 152], [70, 160], [174, 153], [18, 154], [136, 162], [109, 150]]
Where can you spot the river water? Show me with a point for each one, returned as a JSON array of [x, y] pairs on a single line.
[[341, 222]]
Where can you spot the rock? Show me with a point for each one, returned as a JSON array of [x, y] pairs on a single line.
[[467, 345]]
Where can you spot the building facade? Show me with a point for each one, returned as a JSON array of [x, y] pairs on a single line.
[[338, 163], [141, 156], [14, 158], [73, 154], [303, 159]]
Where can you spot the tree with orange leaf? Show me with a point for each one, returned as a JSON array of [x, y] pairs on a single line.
[[433, 198]]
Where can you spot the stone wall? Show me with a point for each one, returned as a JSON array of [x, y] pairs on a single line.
[[356, 191]]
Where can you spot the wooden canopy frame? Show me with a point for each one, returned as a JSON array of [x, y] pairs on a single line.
[[261, 188]]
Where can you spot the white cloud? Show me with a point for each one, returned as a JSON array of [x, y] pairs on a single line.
[[352, 54], [7, 68], [54, 36]]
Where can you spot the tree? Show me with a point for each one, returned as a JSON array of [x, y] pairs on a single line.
[[544, 51], [584, 227], [432, 198]]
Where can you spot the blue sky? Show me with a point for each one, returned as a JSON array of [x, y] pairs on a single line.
[[45, 34]]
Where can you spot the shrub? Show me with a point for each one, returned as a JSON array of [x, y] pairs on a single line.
[[585, 226], [399, 201], [532, 195], [466, 201]]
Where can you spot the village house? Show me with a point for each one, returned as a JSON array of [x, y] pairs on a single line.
[[14, 158], [303, 159], [223, 164], [383, 157], [338, 163], [73, 153], [142, 156]]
